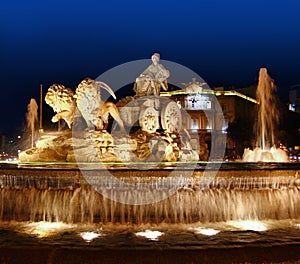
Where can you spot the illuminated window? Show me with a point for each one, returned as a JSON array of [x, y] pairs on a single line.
[[197, 102], [195, 123]]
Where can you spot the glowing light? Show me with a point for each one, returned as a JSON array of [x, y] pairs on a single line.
[[151, 235], [215, 92], [206, 231], [248, 225], [89, 236], [297, 225], [45, 229]]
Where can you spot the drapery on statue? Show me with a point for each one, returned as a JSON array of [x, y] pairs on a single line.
[[95, 111], [61, 99], [152, 79]]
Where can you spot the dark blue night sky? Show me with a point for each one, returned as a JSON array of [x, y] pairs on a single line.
[[225, 42]]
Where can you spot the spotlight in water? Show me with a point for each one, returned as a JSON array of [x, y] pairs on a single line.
[[249, 225], [205, 231], [208, 232], [45, 229], [89, 236], [151, 235]]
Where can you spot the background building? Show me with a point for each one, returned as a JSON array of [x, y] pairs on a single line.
[[207, 111], [294, 98]]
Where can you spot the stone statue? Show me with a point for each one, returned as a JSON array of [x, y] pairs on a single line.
[[61, 99], [159, 137], [95, 111], [194, 86], [152, 79]]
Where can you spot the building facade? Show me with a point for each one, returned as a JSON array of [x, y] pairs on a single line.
[[207, 114], [294, 99]]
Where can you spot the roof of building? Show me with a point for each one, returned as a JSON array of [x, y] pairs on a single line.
[[217, 92]]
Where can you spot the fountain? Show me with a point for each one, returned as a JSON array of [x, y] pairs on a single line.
[[127, 194], [156, 123], [268, 118], [32, 117]]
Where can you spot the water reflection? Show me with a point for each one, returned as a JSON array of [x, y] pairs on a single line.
[[45, 229], [108, 236], [205, 231], [248, 225], [89, 236]]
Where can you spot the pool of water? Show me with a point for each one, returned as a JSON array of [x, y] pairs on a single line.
[[239, 241], [198, 235]]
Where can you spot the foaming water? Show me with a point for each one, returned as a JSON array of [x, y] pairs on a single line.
[[265, 155]]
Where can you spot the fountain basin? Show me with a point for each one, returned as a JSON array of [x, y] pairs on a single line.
[[245, 213]]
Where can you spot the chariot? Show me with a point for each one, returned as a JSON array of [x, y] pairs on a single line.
[[151, 113]]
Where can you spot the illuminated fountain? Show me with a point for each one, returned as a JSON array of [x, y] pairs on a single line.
[[268, 118], [160, 197], [32, 117]]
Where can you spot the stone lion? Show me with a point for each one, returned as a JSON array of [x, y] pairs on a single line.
[[95, 111], [61, 99]]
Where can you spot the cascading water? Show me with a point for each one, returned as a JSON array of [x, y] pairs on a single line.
[[51, 213], [267, 120], [54, 214], [69, 199]]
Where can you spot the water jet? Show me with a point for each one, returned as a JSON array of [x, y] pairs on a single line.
[[267, 121]]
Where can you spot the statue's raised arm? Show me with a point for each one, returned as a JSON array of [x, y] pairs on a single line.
[[152, 79]]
